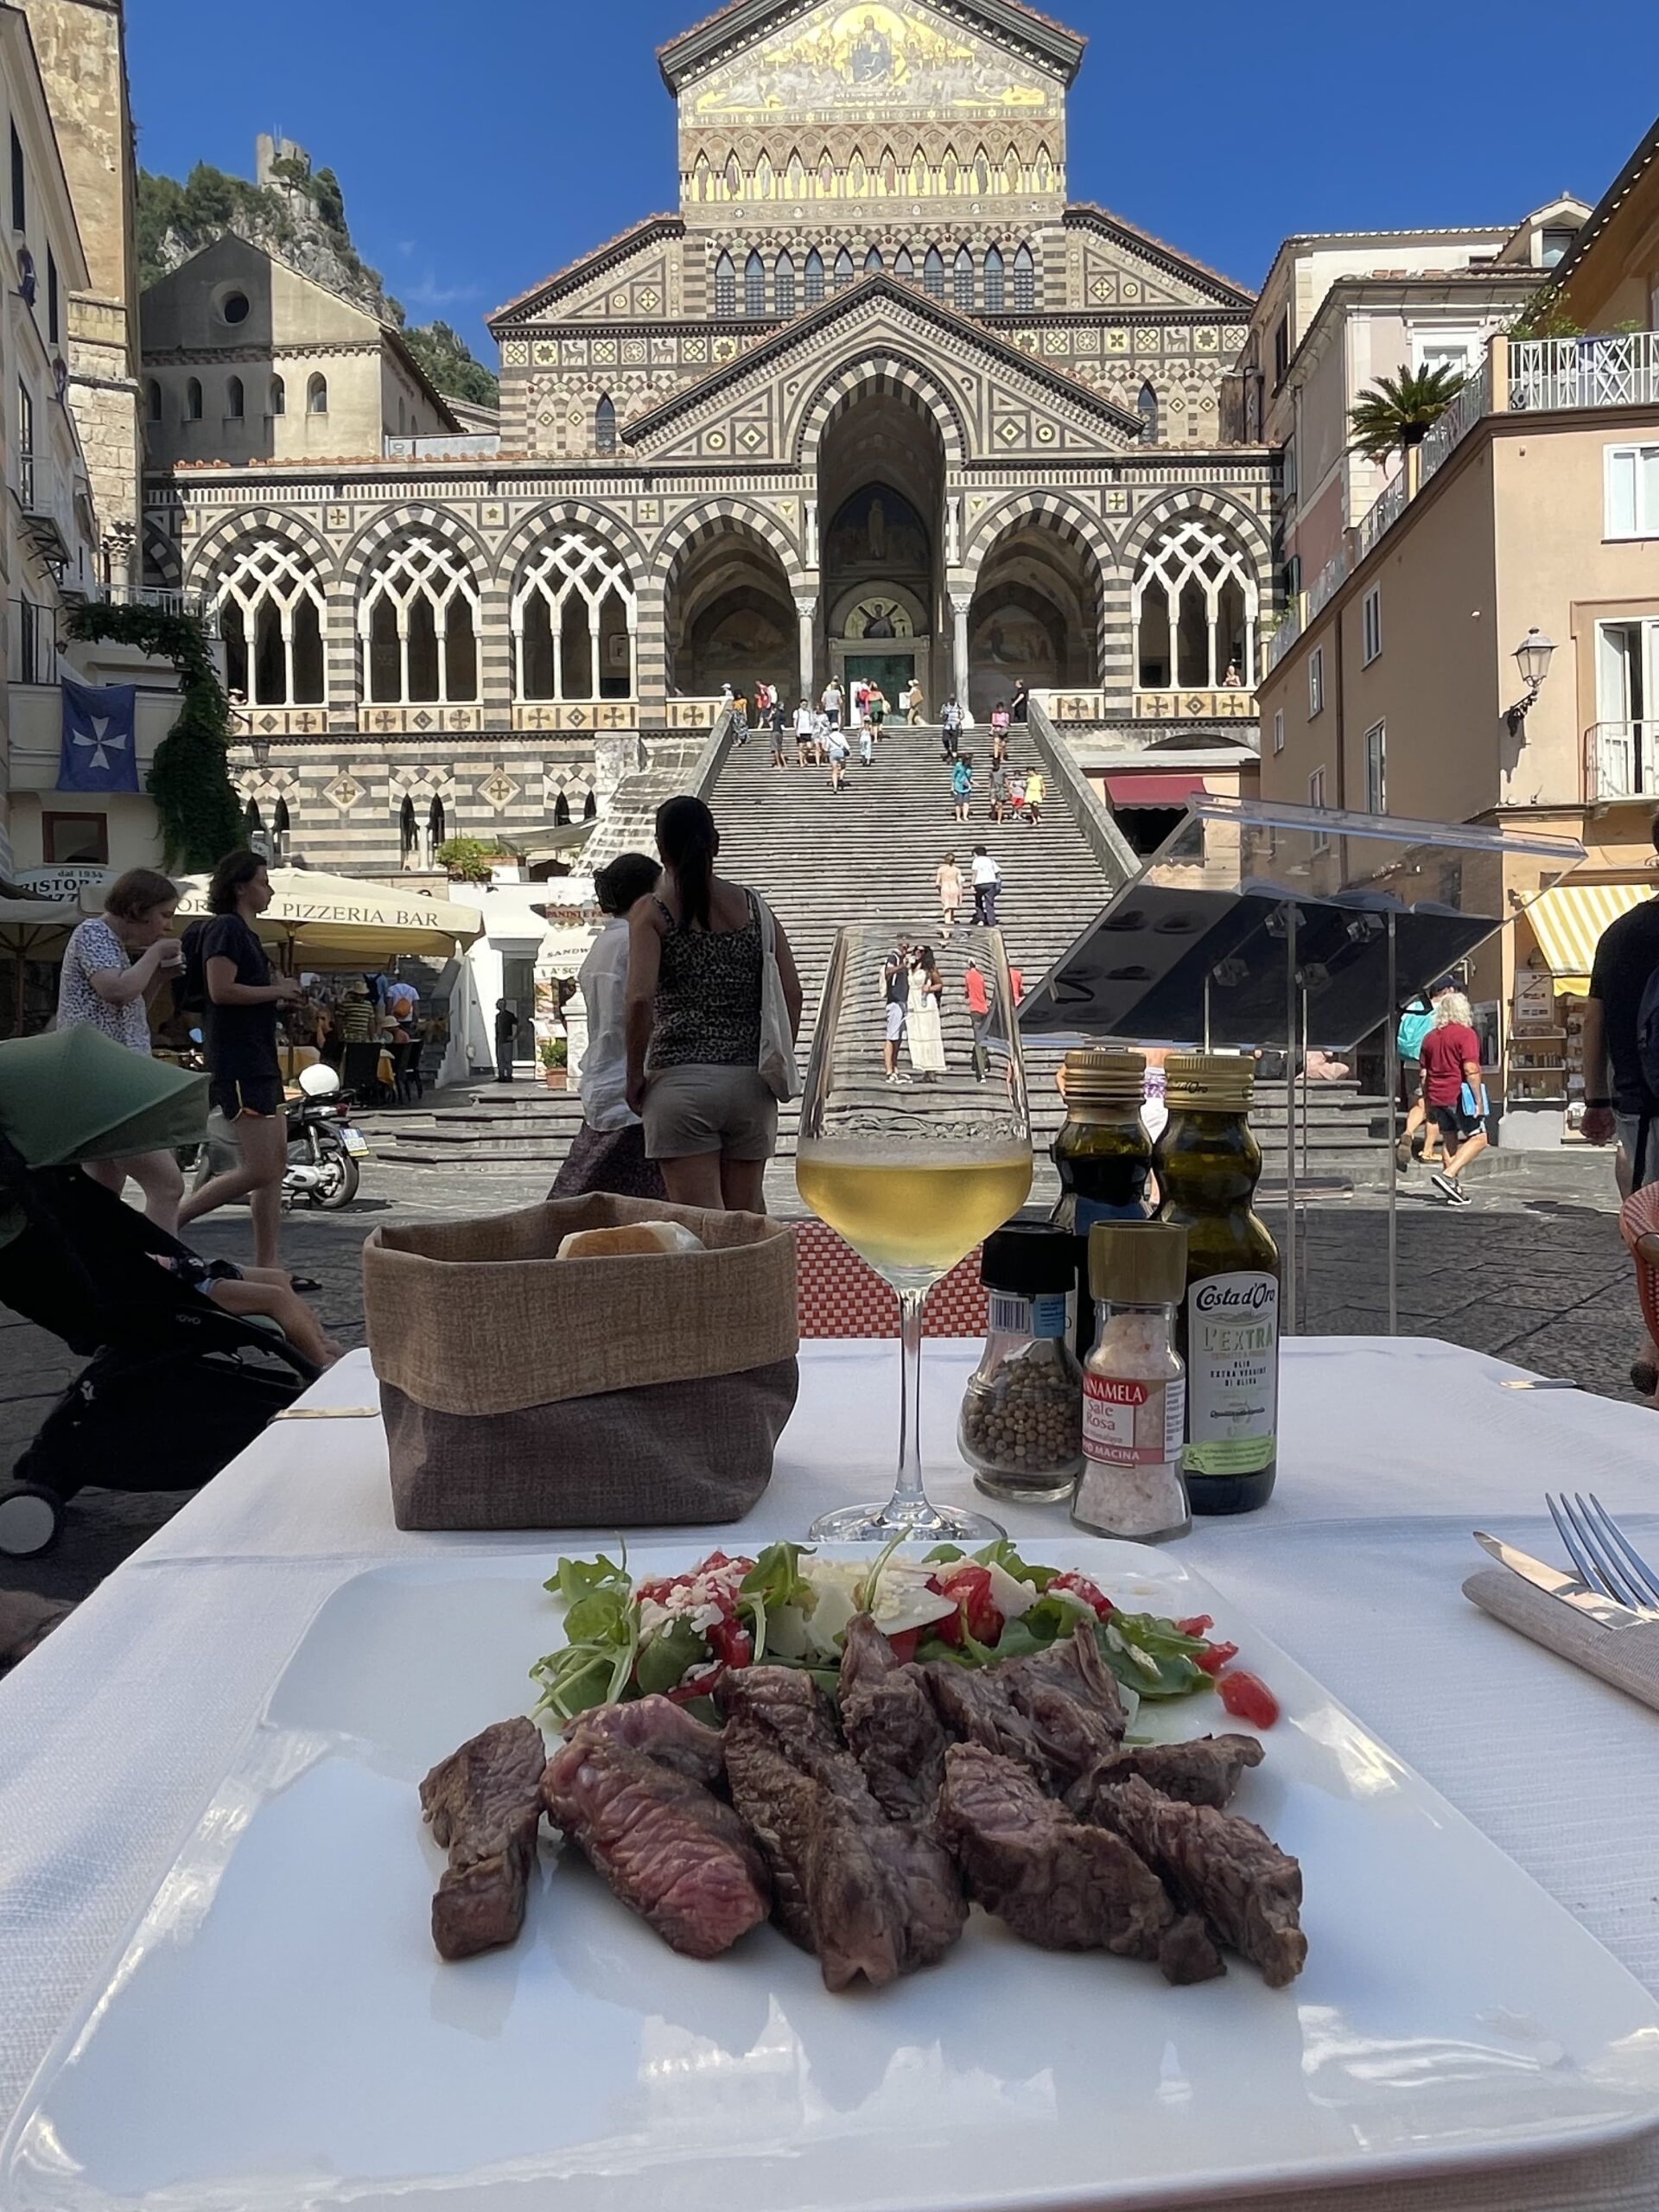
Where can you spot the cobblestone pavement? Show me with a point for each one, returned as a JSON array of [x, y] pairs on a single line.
[[1535, 1274]]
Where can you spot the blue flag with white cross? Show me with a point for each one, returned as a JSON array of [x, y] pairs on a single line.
[[99, 751]]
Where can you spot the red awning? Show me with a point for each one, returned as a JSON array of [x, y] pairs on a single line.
[[1153, 790]]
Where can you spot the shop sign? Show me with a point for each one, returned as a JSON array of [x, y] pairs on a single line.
[[1534, 997], [67, 880]]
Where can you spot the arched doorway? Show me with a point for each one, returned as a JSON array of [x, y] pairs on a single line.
[[731, 615], [882, 508], [1035, 617]]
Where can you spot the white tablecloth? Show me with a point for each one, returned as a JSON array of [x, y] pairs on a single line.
[[115, 1734]]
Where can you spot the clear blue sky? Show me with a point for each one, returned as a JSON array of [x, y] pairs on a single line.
[[482, 147]]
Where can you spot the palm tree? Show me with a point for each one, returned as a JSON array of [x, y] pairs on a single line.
[[1400, 411]]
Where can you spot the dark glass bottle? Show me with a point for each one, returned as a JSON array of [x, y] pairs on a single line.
[[1105, 1157], [1209, 1164]]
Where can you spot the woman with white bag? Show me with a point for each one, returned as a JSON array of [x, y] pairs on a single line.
[[713, 1011]]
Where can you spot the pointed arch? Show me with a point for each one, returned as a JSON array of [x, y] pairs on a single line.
[[826, 176], [409, 835], [1146, 407], [919, 180], [917, 386], [858, 178], [282, 828], [952, 169], [903, 268], [1195, 605], [1013, 170], [843, 269], [797, 175], [1025, 282], [963, 291], [996, 282], [889, 172], [812, 282], [933, 274], [725, 287], [733, 178], [783, 282], [1045, 170], [573, 602], [981, 171], [272, 612], [873, 262], [605, 425], [437, 830], [701, 178], [417, 619], [754, 285], [763, 178]]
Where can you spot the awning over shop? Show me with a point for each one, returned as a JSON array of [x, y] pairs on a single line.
[[1153, 790], [335, 921], [1568, 921]]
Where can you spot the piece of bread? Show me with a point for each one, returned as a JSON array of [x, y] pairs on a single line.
[[639, 1236]]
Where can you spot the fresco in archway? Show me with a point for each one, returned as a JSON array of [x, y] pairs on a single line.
[[892, 56], [877, 530]]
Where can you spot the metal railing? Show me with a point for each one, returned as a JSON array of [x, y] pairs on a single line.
[[164, 599], [481, 445], [1617, 369], [1389, 506], [1283, 637], [1326, 584], [1459, 418], [1621, 760]]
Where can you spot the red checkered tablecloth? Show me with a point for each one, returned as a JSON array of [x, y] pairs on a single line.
[[841, 1296]]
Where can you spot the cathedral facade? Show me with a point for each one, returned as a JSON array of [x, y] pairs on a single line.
[[879, 399]]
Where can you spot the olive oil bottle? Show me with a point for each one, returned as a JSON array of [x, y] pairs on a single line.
[[1105, 1157], [1209, 1164]]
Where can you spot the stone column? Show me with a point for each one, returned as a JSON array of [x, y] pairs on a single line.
[[807, 609], [961, 607]]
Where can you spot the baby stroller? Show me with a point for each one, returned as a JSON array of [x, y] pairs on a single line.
[[175, 1388]]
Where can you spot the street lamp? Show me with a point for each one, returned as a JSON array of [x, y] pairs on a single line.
[[1532, 657], [259, 746]]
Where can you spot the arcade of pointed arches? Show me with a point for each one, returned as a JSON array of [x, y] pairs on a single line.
[[995, 280], [720, 176], [734, 588]]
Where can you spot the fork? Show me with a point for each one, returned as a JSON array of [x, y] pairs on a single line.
[[1603, 1554]]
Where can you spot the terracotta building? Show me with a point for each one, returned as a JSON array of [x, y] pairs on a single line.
[[1413, 678]]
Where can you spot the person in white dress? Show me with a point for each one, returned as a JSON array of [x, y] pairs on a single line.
[[923, 1029]]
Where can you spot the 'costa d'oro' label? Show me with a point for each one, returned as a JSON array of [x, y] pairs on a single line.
[[1232, 1381]]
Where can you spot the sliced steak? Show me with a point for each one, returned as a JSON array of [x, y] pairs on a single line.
[[669, 1848], [484, 1804], [1057, 1712], [1249, 1891], [1070, 1697], [1187, 1953], [892, 1726], [663, 1731], [1054, 1881], [870, 1897], [1205, 1771]]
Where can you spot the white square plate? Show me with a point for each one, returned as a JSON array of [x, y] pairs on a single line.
[[279, 2034]]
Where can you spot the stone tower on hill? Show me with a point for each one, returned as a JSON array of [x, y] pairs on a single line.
[[81, 46]]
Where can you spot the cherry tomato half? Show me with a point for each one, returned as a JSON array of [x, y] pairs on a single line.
[[1247, 1698]]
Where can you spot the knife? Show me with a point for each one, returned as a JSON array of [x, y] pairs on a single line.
[[1567, 1587]]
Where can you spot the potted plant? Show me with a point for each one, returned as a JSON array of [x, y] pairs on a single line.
[[555, 1061], [465, 860]]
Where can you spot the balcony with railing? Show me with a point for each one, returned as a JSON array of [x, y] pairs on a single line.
[[47, 518], [163, 600], [1526, 376], [1621, 760], [1290, 628]]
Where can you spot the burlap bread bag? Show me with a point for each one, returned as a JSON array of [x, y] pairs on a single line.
[[521, 1391]]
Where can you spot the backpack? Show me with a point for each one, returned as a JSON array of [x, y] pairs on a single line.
[[1414, 1025], [190, 990]]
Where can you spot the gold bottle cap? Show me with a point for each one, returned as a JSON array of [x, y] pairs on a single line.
[[1137, 1262], [1218, 1083], [1096, 1077]]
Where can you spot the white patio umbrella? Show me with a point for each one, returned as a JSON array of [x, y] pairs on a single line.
[[319, 921]]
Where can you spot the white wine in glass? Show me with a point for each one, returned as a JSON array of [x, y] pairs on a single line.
[[915, 1144]]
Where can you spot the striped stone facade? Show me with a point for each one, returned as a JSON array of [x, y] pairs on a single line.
[[501, 631]]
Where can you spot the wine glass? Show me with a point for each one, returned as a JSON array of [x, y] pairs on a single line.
[[915, 1144]]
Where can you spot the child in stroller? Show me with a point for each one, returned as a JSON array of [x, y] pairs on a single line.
[[179, 1382]]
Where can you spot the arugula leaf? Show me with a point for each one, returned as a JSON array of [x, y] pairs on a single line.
[[1002, 1553], [669, 1657], [603, 1624], [1152, 1657], [574, 1578], [947, 1553], [776, 1579]]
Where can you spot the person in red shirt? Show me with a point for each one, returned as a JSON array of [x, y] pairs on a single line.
[[979, 1004], [1451, 1086]]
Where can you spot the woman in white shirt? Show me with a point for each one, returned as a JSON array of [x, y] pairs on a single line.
[[609, 1153], [113, 966]]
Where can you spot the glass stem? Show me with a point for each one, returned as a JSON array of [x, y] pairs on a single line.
[[908, 1492]]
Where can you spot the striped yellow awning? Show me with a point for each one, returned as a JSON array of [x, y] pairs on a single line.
[[1568, 921]]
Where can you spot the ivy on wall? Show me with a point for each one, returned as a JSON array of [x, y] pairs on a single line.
[[189, 778]]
